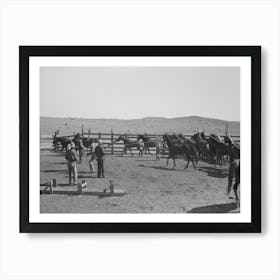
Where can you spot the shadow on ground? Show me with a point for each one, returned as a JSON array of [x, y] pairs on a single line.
[[55, 155], [145, 159], [54, 171], [163, 168], [216, 208], [214, 172], [86, 177]]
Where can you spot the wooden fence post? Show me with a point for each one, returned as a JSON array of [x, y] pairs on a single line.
[[82, 130], [51, 186], [99, 135], [112, 142], [89, 133]]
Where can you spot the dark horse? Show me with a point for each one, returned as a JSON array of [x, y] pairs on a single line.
[[148, 143], [201, 145], [217, 148], [234, 148], [234, 172], [182, 149], [128, 144], [190, 142], [86, 141], [63, 141]]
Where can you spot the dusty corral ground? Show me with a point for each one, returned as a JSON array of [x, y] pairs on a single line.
[[150, 186]]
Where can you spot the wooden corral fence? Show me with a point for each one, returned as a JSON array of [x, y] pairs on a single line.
[[116, 148]]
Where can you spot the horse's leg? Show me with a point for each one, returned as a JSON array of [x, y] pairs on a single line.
[[130, 152], [218, 159], [194, 157], [174, 162], [140, 151], [193, 161], [145, 149], [188, 162], [124, 149], [237, 182], [230, 177], [167, 160], [148, 150]]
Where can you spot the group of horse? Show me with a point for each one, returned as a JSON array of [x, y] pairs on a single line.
[[212, 148]]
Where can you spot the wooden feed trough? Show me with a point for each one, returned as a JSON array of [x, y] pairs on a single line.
[[81, 189]]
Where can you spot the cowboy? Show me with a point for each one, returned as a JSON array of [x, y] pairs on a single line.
[[92, 153], [72, 158], [100, 153]]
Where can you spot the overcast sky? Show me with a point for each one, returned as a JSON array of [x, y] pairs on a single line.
[[137, 92]]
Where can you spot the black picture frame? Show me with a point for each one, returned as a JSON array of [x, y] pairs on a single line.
[[25, 52]]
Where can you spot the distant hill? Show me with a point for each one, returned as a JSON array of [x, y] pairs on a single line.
[[156, 125]]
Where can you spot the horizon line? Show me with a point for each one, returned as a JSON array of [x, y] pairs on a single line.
[[123, 119]]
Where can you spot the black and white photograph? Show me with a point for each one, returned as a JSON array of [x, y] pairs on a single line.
[[142, 135], [140, 139]]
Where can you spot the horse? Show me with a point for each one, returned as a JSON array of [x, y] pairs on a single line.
[[201, 144], [63, 141], [148, 143], [128, 144], [190, 144], [183, 149], [234, 172], [217, 148], [86, 141], [234, 148]]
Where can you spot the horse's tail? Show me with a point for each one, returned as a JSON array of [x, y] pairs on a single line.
[[230, 176]]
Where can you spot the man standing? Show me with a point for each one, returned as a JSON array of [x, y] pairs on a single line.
[[100, 153], [72, 158]]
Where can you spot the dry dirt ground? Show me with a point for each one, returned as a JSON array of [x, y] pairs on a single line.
[[150, 186]]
